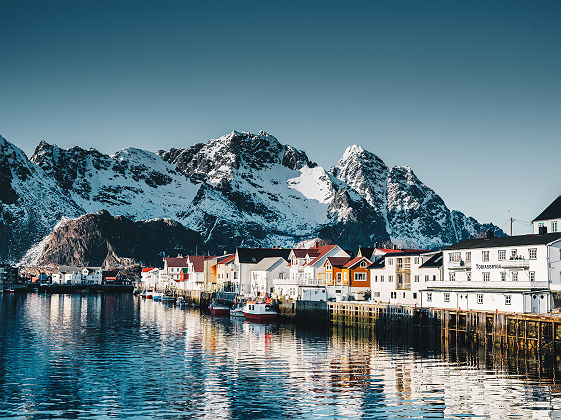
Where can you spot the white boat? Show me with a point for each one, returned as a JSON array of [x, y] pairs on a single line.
[[237, 311], [259, 311], [157, 296]]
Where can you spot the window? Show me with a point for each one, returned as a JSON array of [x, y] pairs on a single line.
[[426, 277], [480, 298], [381, 279], [532, 276], [540, 224], [485, 255], [513, 253], [403, 295], [339, 277], [515, 276], [452, 276], [553, 227], [446, 297], [375, 279], [429, 297], [502, 254], [414, 295], [503, 276], [468, 256], [363, 264], [390, 261], [434, 277], [533, 253], [486, 276], [390, 279], [507, 299], [360, 276], [345, 277], [455, 256], [468, 276], [416, 278], [393, 295], [416, 260], [376, 294]]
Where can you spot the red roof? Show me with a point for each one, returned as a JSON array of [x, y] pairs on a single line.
[[198, 262], [302, 252], [147, 269], [228, 259], [322, 251], [354, 261], [176, 261], [337, 261]]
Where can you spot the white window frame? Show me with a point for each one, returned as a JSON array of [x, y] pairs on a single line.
[[446, 297], [429, 297], [533, 253], [486, 276], [508, 299], [480, 298], [502, 254], [484, 256]]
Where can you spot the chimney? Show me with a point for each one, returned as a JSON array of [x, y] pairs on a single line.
[[490, 234], [394, 246], [377, 245], [316, 244], [542, 230], [224, 252]]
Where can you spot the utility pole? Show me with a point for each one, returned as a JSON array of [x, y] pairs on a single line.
[[510, 225]]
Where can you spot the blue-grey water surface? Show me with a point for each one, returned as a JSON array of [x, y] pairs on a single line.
[[116, 355]]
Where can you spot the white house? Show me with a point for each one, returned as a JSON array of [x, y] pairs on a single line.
[[226, 274], [149, 278], [549, 219], [510, 274], [245, 261], [265, 273], [77, 275], [307, 274], [397, 278]]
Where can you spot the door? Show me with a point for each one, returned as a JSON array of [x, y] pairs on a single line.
[[535, 303]]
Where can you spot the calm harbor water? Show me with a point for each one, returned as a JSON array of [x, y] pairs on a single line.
[[116, 355]]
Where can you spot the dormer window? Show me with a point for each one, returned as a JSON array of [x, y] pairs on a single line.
[[363, 264]]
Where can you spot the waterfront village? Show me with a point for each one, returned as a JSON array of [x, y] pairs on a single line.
[[520, 274]]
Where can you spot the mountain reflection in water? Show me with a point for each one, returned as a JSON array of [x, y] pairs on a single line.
[[116, 355]]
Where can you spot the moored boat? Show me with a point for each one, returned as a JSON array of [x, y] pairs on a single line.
[[149, 295], [157, 296], [259, 311], [167, 298], [237, 311], [9, 290], [219, 309]]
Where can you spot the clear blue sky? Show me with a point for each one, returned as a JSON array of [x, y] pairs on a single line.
[[468, 93]]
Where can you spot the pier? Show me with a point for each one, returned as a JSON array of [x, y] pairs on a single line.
[[496, 328]]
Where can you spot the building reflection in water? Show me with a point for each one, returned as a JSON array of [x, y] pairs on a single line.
[[118, 355]]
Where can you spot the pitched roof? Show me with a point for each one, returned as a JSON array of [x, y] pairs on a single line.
[[198, 262], [355, 261], [434, 261], [176, 261], [268, 263], [147, 269], [338, 261], [506, 241], [227, 259], [366, 252], [254, 255], [386, 250], [380, 262], [302, 252], [553, 211]]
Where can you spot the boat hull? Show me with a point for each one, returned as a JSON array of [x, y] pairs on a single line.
[[260, 317], [220, 311]]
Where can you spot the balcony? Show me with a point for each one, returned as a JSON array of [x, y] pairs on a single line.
[[403, 268], [459, 265], [520, 264]]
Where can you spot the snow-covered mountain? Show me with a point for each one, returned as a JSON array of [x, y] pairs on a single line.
[[241, 189]]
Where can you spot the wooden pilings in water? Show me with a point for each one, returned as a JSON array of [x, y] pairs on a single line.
[[498, 328]]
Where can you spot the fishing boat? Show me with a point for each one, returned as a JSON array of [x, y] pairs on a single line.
[[237, 311], [218, 309], [181, 301], [143, 295], [157, 296], [9, 290], [148, 295], [259, 311]]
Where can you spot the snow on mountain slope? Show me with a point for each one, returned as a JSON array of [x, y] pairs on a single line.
[[132, 182], [240, 189]]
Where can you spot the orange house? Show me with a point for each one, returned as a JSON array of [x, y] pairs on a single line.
[[346, 275]]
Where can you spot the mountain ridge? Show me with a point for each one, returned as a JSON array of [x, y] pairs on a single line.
[[242, 188]]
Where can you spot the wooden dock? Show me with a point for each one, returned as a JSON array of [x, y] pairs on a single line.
[[498, 328]]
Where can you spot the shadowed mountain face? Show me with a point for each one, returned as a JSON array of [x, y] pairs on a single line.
[[241, 189], [99, 239]]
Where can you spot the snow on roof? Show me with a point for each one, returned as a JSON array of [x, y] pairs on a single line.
[[355, 261], [269, 263]]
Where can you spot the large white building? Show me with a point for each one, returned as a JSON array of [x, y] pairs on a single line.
[[265, 274], [77, 275], [246, 260], [549, 219], [397, 278], [508, 274]]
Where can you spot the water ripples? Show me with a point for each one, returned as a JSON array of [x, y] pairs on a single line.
[[115, 355]]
